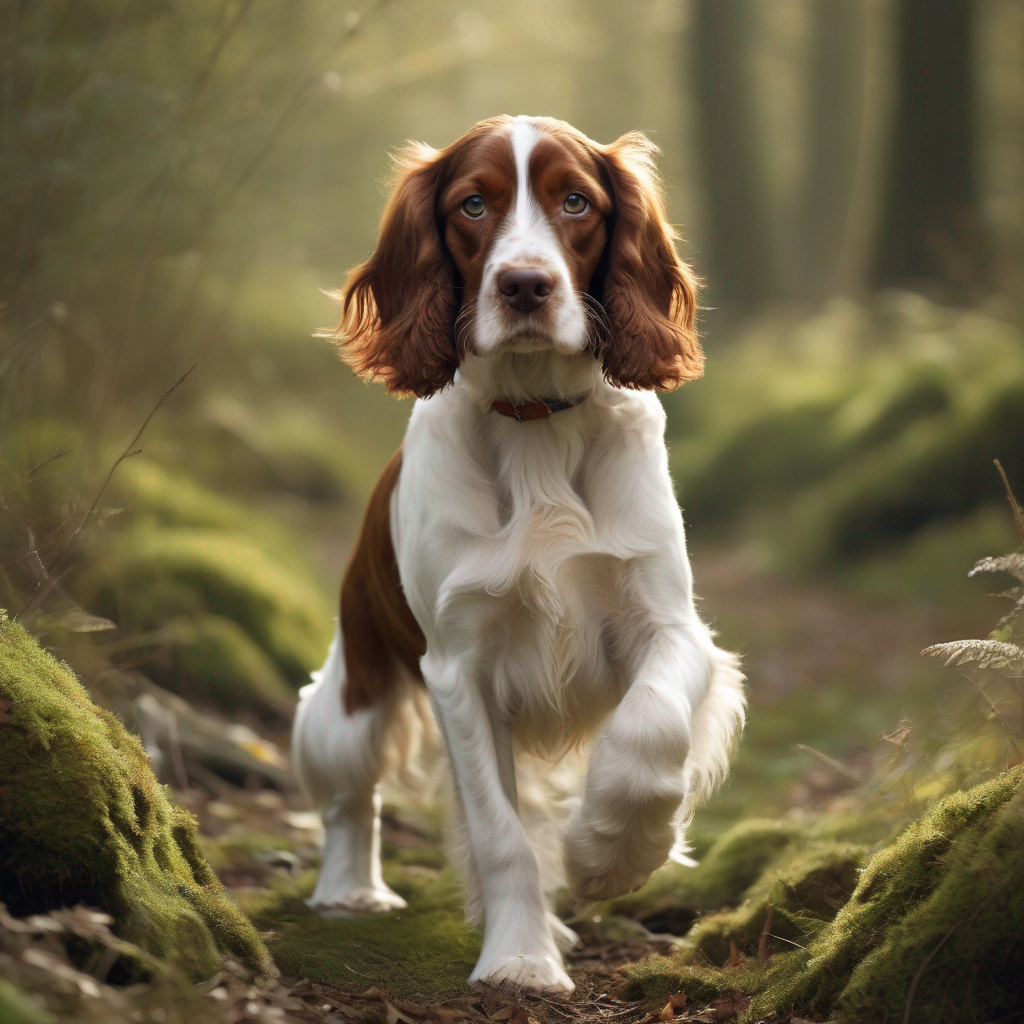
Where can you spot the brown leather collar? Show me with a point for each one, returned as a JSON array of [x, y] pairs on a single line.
[[539, 409]]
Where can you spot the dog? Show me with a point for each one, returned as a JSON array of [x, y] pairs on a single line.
[[522, 556]]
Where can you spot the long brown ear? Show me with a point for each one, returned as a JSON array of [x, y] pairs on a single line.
[[399, 307], [648, 293]]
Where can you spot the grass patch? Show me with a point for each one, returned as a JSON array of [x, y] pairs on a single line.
[[426, 949]]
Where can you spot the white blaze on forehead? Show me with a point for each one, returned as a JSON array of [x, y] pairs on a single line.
[[524, 138], [527, 238]]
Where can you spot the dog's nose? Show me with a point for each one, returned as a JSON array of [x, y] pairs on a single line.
[[525, 288]]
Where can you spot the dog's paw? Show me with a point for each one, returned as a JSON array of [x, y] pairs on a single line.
[[356, 902], [534, 973], [600, 867]]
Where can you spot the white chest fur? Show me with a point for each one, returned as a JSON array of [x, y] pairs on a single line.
[[515, 559]]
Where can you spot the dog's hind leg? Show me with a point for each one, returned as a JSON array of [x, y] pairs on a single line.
[[339, 757]]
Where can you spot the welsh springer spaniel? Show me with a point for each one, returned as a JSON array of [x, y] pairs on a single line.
[[523, 553]]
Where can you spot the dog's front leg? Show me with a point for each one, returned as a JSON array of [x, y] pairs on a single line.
[[518, 946], [624, 827]]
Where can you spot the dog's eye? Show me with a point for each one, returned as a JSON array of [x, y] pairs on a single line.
[[575, 203], [474, 207]]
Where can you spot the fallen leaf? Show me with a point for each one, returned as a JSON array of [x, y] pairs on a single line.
[[393, 1014], [413, 1009], [505, 1013], [673, 1006], [447, 1014]]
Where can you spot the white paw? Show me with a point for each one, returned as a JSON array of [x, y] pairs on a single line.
[[356, 902], [600, 867], [565, 938], [536, 973]]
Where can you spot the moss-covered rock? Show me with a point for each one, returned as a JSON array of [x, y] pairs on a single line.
[[213, 658], [163, 573], [787, 906], [934, 923], [83, 820]]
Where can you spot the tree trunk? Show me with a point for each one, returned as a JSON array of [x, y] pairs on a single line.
[[838, 97], [736, 254], [930, 230]]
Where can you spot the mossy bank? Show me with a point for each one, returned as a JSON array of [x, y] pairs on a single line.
[[931, 921], [84, 821]]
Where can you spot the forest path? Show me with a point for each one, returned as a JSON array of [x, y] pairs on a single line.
[[826, 668]]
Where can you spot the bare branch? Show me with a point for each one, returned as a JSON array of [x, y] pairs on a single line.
[[1018, 513], [44, 589]]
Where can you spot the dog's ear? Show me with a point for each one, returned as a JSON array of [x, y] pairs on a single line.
[[399, 307], [647, 292]]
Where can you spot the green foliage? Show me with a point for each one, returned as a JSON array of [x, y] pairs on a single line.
[[83, 820], [16, 1009], [426, 949], [840, 435]]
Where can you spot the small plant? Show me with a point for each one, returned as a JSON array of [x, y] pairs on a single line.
[[995, 666]]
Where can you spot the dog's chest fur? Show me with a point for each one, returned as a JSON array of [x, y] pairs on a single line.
[[554, 601]]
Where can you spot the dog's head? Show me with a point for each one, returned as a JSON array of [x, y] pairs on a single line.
[[523, 235]]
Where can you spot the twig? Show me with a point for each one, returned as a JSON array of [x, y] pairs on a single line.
[[920, 971], [43, 590], [199, 89], [766, 934], [1018, 512], [830, 761], [361, 975]]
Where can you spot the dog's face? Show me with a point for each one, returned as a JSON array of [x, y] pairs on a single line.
[[526, 224], [523, 235]]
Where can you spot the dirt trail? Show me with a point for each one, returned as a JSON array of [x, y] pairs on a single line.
[[797, 636]]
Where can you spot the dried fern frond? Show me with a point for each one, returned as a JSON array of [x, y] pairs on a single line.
[[1012, 563], [986, 653]]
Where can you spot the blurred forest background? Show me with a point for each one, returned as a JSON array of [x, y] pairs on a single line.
[[179, 180]]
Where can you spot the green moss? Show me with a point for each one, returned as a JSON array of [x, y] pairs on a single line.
[[802, 892], [15, 1008], [83, 820], [427, 948], [959, 867], [159, 496], [216, 659], [240, 849], [162, 573], [735, 861], [942, 903], [659, 977]]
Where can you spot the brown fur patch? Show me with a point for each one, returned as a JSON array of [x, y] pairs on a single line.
[[377, 625]]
